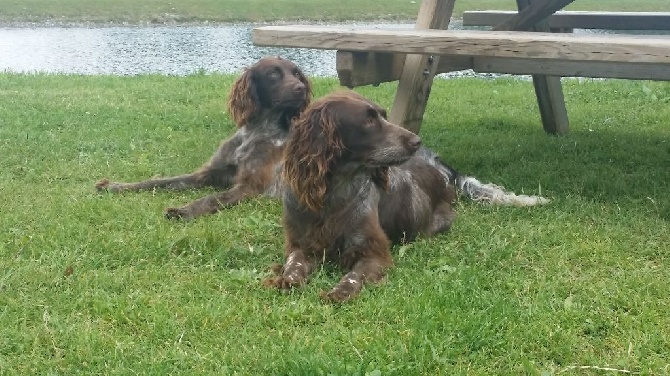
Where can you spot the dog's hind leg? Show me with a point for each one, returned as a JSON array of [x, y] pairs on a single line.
[[174, 183], [218, 172], [219, 178], [443, 217], [252, 180], [212, 203]]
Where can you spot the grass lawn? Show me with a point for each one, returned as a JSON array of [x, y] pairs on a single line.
[[102, 284], [160, 11]]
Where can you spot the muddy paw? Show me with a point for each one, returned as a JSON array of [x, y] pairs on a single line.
[[283, 283], [338, 295], [333, 297], [102, 185], [277, 269], [176, 213]]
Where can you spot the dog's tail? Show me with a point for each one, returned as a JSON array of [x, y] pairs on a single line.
[[478, 191], [494, 194]]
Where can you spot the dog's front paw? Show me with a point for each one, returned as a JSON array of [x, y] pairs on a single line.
[[277, 269], [177, 213], [344, 291], [102, 185], [283, 283], [337, 295]]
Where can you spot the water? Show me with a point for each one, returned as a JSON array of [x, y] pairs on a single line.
[[171, 50]]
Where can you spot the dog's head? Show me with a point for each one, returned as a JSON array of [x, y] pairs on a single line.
[[337, 130], [271, 83]]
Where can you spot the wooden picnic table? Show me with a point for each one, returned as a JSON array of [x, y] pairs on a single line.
[[419, 70], [520, 44]]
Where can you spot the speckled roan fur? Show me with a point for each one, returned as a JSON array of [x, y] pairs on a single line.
[[353, 185], [263, 101]]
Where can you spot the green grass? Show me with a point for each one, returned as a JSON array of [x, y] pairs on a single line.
[[580, 282], [159, 11]]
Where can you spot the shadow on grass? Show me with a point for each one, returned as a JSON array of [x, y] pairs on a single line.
[[606, 165]]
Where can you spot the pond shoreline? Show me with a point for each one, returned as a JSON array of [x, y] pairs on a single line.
[[161, 48], [49, 23]]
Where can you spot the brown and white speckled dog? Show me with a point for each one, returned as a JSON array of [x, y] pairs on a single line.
[[353, 185], [263, 102]]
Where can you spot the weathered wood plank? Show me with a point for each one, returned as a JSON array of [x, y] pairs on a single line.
[[388, 66], [529, 45], [418, 71], [371, 68], [531, 13], [366, 68], [597, 69], [580, 19]]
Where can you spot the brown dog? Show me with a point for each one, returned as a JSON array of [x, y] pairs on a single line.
[[262, 103], [354, 184]]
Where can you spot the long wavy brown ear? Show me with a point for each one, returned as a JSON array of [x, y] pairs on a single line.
[[243, 102], [380, 176], [308, 92], [311, 151]]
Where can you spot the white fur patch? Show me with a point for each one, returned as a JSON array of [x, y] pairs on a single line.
[[495, 194], [399, 177], [353, 277], [243, 132]]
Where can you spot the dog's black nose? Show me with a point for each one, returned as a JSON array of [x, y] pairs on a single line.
[[414, 142], [299, 88]]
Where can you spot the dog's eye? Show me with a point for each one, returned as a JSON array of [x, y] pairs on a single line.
[[373, 119], [274, 73], [372, 114], [296, 73]]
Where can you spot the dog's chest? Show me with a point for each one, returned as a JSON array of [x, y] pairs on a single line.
[[340, 225], [258, 145]]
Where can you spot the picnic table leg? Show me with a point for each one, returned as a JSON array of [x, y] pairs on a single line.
[[549, 93], [548, 89], [551, 102], [417, 74]]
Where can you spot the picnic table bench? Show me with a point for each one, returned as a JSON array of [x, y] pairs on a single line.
[[519, 43]]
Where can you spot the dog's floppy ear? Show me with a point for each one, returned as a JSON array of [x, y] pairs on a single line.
[[243, 102], [311, 151], [308, 91]]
